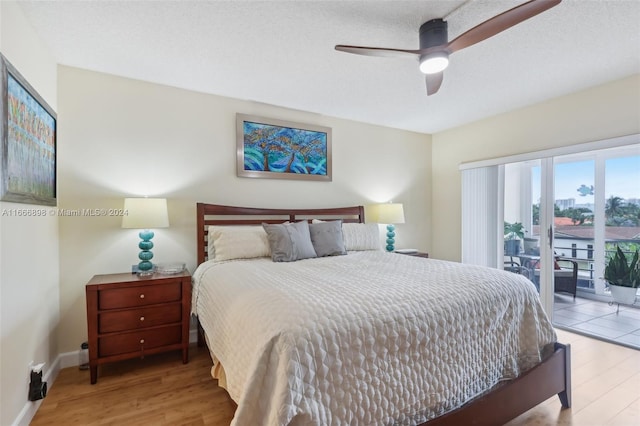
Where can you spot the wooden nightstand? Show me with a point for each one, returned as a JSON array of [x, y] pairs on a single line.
[[130, 316]]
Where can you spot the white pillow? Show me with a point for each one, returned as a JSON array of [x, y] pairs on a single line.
[[361, 236], [237, 242]]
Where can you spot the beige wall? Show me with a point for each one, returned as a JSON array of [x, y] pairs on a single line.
[[121, 137], [29, 291], [598, 113]]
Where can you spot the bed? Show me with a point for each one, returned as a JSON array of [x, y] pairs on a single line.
[[366, 337]]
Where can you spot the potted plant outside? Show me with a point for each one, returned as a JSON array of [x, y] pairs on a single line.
[[623, 277], [513, 234]]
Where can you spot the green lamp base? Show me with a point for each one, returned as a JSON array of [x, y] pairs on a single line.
[[390, 238], [145, 267]]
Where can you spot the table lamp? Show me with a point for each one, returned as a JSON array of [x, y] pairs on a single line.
[[390, 213], [145, 213]]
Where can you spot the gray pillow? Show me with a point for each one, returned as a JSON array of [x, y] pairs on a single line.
[[326, 238], [289, 241]]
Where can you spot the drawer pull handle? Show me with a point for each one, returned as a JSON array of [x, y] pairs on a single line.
[[141, 341], [141, 318], [142, 296]]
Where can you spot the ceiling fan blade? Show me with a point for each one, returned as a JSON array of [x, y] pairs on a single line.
[[501, 22], [378, 51], [433, 82]]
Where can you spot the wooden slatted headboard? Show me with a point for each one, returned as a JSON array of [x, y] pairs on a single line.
[[213, 214]]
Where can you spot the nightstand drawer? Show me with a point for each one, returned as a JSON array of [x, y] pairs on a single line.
[[133, 319], [139, 296], [139, 341]]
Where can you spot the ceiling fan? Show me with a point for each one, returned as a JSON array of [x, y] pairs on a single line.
[[435, 47]]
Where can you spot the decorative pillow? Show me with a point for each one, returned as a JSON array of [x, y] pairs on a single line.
[[237, 242], [326, 238], [361, 236], [289, 241]]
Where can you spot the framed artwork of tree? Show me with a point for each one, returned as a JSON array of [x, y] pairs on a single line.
[[269, 148]]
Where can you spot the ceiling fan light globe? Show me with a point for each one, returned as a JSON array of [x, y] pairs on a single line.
[[433, 64]]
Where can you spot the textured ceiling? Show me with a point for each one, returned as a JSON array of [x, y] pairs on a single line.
[[282, 52]]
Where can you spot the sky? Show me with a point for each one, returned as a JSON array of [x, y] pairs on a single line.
[[622, 179]]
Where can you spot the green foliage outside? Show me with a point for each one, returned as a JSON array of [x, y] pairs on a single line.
[[617, 213], [513, 231], [627, 247]]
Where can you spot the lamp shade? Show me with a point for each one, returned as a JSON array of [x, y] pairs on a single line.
[[145, 213], [389, 213]]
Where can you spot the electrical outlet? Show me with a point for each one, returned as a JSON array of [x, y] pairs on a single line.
[[37, 388]]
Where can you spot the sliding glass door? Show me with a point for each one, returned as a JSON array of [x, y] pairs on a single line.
[[528, 233], [575, 219], [555, 220], [597, 209], [620, 209]]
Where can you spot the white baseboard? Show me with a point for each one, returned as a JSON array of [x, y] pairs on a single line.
[[69, 359]]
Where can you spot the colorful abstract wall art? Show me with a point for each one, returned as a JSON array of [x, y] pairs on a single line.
[[269, 148], [28, 137]]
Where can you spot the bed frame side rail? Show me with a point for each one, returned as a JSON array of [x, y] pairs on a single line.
[[552, 376]]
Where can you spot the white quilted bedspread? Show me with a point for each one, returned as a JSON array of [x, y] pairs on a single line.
[[370, 338]]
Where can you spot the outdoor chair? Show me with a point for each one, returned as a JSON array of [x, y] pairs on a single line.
[[565, 276], [565, 279]]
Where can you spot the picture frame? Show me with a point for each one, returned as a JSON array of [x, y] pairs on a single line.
[[28, 138], [280, 149]]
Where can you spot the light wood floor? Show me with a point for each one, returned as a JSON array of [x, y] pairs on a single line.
[[160, 390]]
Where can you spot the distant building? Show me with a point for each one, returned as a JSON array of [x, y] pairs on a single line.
[[567, 203], [589, 206]]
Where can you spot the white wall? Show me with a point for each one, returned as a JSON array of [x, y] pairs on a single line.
[[598, 113], [120, 137], [29, 255]]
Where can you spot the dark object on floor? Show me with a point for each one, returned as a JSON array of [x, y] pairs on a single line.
[[37, 388]]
